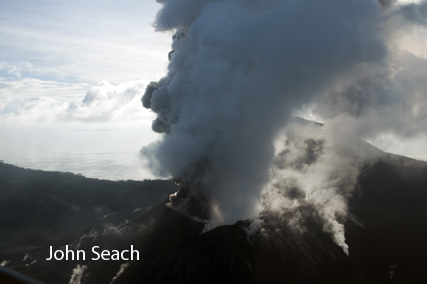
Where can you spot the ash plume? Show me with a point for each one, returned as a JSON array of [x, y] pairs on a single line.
[[240, 70]]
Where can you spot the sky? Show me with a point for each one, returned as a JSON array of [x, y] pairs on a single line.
[[71, 77], [72, 74]]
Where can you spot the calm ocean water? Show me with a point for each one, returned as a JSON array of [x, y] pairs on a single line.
[[99, 151]]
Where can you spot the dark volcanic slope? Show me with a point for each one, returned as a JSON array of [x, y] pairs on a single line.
[[392, 207], [175, 252], [39, 206], [386, 232]]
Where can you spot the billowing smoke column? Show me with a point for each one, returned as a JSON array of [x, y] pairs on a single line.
[[237, 72]]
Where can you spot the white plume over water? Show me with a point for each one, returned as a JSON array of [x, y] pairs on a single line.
[[239, 71]]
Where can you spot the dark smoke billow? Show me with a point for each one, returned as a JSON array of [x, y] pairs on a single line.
[[239, 71]]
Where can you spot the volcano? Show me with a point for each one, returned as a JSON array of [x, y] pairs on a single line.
[[385, 232]]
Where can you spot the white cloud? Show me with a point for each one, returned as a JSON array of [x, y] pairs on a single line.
[[29, 89], [16, 70], [33, 101], [4, 99]]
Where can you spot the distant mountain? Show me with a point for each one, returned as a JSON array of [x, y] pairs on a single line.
[[386, 234]]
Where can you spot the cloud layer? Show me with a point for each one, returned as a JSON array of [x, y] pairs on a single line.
[[82, 41], [102, 103], [16, 70]]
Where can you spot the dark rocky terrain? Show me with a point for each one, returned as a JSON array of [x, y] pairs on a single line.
[[41, 209], [386, 233]]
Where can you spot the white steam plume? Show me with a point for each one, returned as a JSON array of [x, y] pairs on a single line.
[[120, 272], [316, 167], [240, 69], [78, 274]]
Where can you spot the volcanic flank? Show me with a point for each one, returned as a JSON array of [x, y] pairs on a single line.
[[385, 230]]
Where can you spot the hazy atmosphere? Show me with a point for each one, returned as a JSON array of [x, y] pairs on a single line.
[[71, 78], [72, 75]]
